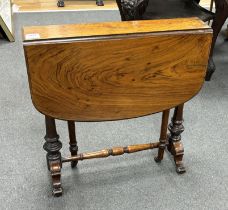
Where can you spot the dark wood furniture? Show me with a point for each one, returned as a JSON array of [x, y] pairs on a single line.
[[157, 9], [112, 71], [61, 3]]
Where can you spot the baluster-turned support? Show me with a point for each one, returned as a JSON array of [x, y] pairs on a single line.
[[112, 152], [73, 142], [52, 146], [163, 136], [175, 145]]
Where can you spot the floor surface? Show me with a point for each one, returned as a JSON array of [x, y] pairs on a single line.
[[132, 181]]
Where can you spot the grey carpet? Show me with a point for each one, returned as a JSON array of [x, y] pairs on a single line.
[[128, 182]]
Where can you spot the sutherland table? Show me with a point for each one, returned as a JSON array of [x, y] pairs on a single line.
[[113, 71]]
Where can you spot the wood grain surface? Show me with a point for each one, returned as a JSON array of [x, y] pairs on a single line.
[[115, 151], [111, 78], [110, 28]]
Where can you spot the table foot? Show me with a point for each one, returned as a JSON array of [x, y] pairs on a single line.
[[60, 3], [175, 146], [54, 163], [55, 169]]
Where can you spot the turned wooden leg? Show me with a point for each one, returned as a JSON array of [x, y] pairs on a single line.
[[175, 145], [163, 136], [52, 146], [221, 15], [73, 142]]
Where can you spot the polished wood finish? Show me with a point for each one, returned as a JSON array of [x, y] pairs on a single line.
[[112, 152], [110, 28], [52, 146], [175, 145], [122, 75], [73, 142], [163, 136], [103, 76]]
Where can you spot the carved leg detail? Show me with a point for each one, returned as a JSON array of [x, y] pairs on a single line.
[[52, 146], [55, 169], [73, 142], [175, 145], [163, 136]]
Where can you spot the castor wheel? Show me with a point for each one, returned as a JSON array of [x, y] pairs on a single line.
[[60, 4], [180, 169], [57, 192], [157, 160]]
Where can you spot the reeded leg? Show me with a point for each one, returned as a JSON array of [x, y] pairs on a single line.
[[73, 142], [52, 146], [163, 136], [175, 145]]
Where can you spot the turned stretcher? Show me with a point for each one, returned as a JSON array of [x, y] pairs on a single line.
[[113, 71]]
